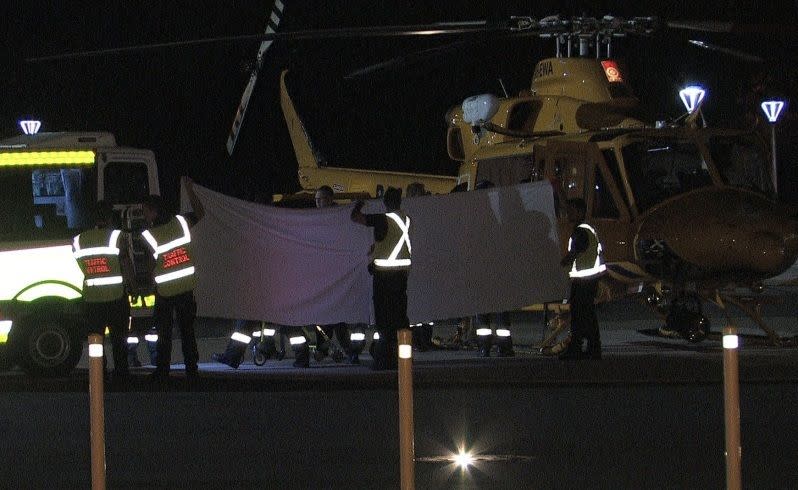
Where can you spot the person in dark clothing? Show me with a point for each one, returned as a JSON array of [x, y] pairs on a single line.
[[493, 328], [586, 264], [350, 342], [174, 276], [103, 257], [389, 265]]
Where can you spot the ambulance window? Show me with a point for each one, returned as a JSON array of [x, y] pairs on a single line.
[[126, 182], [603, 202], [46, 202]]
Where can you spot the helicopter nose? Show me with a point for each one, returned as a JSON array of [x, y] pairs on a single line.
[[727, 232]]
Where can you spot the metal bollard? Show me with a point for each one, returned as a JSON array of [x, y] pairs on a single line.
[[406, 444], [96, 412], [731, 407]]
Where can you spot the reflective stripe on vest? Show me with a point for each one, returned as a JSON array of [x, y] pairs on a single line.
[[159, 249], [395, 226], [590, 262], [100, 265], [178, 280], [111, 249]]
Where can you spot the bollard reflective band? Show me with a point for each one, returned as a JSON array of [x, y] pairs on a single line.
[[502, 332], [95, 350], [376, 336], [151, 337], [240, 337], [483, 332], [269, 332], [731, 342], [357, 337], [405, 351], [297, 340], [132, 340]]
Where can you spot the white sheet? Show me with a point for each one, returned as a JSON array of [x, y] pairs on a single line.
[[473, 252]]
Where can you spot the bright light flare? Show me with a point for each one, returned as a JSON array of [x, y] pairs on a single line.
[[731, 341], [463, 459]]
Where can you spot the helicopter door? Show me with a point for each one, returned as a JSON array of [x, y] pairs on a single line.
[[565, 165], [578, 170], [607, 209]]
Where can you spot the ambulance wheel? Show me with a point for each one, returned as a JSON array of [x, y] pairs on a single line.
[[46, 346]]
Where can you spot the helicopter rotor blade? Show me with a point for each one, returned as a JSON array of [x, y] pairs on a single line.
[[701, 26], [238, 120], [407, 59], [731, 52], [436, 29]]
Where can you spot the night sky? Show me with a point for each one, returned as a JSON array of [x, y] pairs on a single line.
[[181, 102]]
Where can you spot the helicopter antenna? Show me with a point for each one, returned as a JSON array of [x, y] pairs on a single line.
[[504, 89]]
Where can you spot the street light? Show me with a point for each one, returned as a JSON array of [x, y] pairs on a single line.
[[692, 97], [772, 109], [30, 126]]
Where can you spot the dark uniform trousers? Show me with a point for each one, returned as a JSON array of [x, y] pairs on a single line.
[[390, 314], [584, 324], [115, 315], [182, 307]]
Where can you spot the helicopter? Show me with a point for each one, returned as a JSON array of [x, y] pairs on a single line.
[[686, 213]]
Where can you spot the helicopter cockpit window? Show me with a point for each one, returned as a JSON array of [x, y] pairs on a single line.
[[662, 169], [740, 162]]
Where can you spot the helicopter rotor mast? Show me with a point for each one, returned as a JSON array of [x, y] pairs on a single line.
[[591, 31]]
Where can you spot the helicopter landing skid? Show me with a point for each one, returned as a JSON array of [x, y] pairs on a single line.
[[752, 307]]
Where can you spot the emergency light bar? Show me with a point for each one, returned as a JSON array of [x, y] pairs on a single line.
[[73, 157]]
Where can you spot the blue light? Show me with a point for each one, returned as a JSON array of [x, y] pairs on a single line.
[[772, 109], [30, 126], [692, 97]]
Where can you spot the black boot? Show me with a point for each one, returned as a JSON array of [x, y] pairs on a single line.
[[484, 342], [574, 350], [505, 343], [234, 353], [594, 348], [302, 356], [266, 347], [132, 354]]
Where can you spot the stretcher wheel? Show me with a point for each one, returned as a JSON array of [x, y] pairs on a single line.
[[259, 358]]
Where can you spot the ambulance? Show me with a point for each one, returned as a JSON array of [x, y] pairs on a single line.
[[49, 186]]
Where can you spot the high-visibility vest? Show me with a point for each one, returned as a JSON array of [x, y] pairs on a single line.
[[97, 254], [393, 252], [589, 263], [174, 267]]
